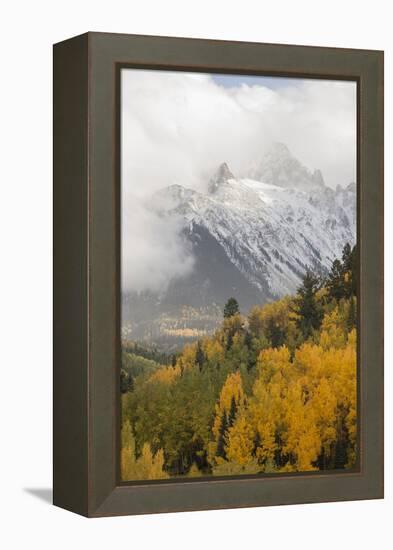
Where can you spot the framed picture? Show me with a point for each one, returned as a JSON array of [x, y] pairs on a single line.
[[218, 274]]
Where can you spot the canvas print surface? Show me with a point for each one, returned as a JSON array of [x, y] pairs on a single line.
[[238, 275]]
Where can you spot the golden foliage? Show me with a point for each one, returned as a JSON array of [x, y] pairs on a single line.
[[278, 315], [147, 466], [232, 388], [264, 406], [214, 352], [194, 471], [240, 441], [274, 364], [299, 406], [166, 375], [333, 330]]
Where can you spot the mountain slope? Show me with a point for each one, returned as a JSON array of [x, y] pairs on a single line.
[[270, 234]]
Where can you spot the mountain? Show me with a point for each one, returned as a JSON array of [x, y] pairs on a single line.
[[278, 167], [252, 238]]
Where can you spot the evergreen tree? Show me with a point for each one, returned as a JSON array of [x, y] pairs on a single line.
[[221, 443], [232, 412], [335, 282], [248, 340], [275, 333], [199, 356], [349, 270], [231, 308], [352, 318], [257, 442], [347, 257], [126, 381], [341, 447], [309, 313], [229, 341], [341, 282], [251, 355], [354, 278]]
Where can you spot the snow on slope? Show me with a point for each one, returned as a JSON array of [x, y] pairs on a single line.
[[271, 231]]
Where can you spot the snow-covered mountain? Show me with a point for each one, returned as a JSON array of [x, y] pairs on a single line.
[[270, 232], [254, 237]]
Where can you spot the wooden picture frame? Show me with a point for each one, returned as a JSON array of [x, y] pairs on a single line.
[[86, 273]]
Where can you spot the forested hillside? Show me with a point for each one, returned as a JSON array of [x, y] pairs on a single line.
[[271, 392]]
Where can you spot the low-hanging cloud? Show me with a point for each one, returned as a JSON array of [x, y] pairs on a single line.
[[153, 251], [178, 127]]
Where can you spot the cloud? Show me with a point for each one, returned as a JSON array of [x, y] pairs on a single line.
[[178, 127], [153, 251], [316, 119]]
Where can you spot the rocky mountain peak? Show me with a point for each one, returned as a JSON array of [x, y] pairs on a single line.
[[170, 197], [318, 178], [279, 167], [279, 150], [222, 175]]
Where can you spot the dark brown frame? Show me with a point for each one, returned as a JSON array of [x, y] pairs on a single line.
[[86, 272]]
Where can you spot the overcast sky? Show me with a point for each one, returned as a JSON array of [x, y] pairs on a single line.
[[178, 127]]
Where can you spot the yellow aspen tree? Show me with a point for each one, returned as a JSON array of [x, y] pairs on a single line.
[[333, 330], [265, 413], [346, 388], [302, 439], [310, 366], [232, 388], [240, 441], [267, 405], [232, 391], [189, 355], [127, 456], [147, 466], [194, 471], [151, 466], [214, 352], [166, 375], [274, 364], [324, 406]]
